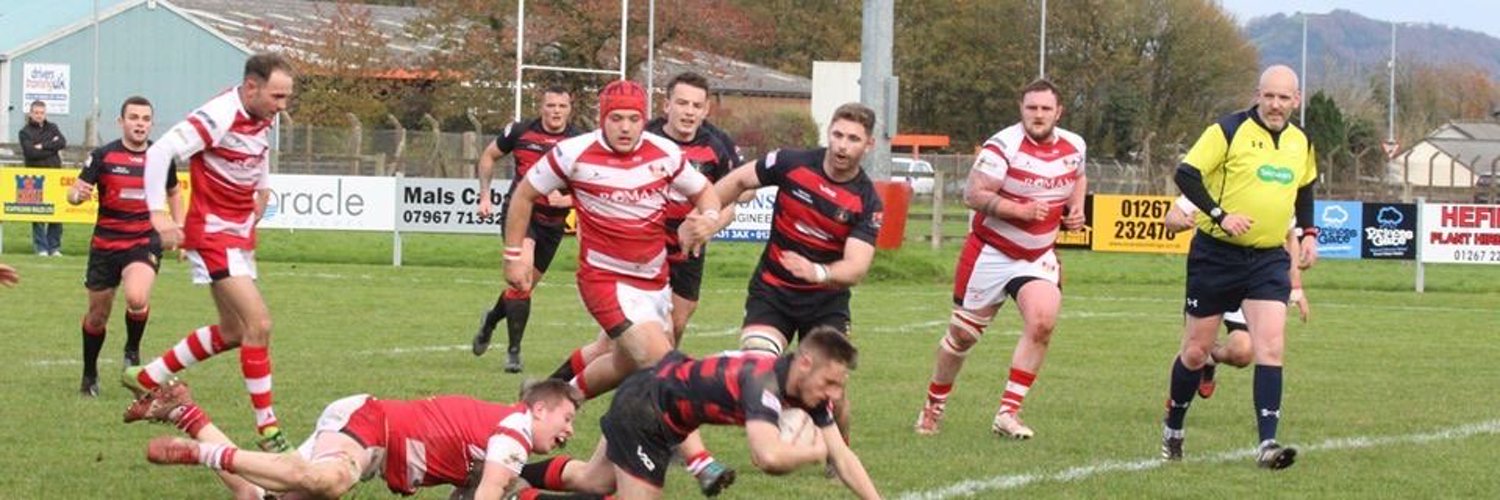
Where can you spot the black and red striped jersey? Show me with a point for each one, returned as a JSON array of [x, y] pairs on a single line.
[[814, 216], [727, 388], [118, 176], [713, 154], [526, 142]]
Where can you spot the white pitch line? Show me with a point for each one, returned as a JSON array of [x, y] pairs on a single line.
[[416, 349], [973, 487]]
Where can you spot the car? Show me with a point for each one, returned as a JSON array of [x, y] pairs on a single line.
[[916, 173]]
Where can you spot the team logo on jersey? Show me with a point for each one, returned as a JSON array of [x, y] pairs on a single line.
[[842, 216], [1272, 173], [658, 169]]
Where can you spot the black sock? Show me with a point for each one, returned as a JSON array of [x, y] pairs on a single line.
[[517, 313], [135, 328], [1208, 373], [537, 474], [1184, 387], [496, 314], [1267, 400], [564, 372], [92, 344]]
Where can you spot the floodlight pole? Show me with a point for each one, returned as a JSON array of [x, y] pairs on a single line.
[[520, 52], [624, 21], [650, 53], [1041, 64], [876, 81], [1391, 126], [1302, 77]]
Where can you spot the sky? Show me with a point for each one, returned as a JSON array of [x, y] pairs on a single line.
[[1475, 15]]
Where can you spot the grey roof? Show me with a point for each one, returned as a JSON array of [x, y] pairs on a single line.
[[249, 22], [1467, 130], [727, 75], [1479, 155]]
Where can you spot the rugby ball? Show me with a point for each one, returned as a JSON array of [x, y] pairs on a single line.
[[797, 428]]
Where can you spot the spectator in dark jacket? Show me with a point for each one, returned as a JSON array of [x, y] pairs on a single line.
[[40, 143]]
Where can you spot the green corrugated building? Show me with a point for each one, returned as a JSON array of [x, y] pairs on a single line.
[[147, 47]]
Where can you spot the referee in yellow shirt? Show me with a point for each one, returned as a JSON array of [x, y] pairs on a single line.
[[1249, 173]]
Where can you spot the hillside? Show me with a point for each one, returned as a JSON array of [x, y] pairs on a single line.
[[1344, 43]]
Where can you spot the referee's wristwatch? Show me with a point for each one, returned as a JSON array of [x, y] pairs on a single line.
[[1217, 214]]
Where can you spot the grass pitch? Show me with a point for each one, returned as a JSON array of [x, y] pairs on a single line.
[[1390, 393]]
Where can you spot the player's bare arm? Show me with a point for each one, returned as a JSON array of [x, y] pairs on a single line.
[[494, 481], [9, 276], [726, 214], [560, 200], [1075, 217], [1190, 181], [1307, 229], [80, 192], [518, 260], [1298, 297], [262, 198], [176, 206], [982, 194], [848, 466], [485, 170], [181, 141], [1178, 220], [770, 454], [739, 182], [844, 273], [703, 222]]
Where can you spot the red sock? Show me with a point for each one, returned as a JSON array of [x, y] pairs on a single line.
[[696, 463], [1015, 390], [255, 365], [199, 345], [191, 419], [513, 294], [577, 362], [938, 393]]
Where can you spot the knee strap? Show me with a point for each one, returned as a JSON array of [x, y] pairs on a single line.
[[762, 341], [964, 331]]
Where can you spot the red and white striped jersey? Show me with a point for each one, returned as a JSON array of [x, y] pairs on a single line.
[[227, 150], [432, 441], [621, 201], [1029, 171]]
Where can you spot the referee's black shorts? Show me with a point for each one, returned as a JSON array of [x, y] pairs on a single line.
[[1220, 275]]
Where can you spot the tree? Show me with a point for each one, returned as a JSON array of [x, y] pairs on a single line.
[[757, 133], [477, 44], [1132, 72], [343, 67]]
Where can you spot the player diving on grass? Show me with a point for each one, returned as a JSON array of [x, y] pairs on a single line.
[[655, 410], [478, 447]]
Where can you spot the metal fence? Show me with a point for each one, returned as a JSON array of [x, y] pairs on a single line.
[[360, 150], [430, 151]]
